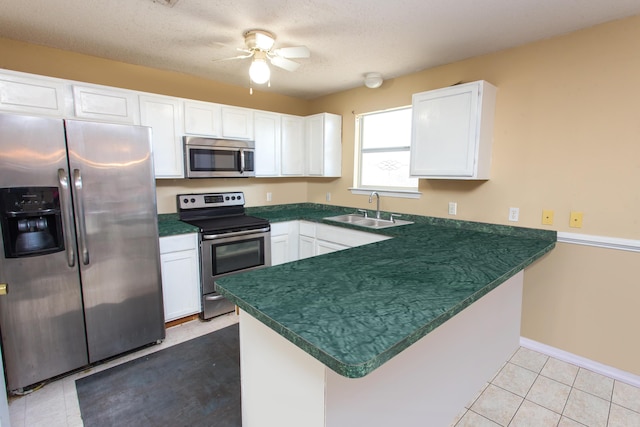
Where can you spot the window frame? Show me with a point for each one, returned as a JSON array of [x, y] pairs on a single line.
[[358, 188]]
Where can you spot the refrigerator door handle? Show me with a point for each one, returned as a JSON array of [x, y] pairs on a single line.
[[82, 228], [65, 198]]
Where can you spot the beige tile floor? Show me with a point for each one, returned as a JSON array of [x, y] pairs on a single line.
[[530, 390], [536, 390]]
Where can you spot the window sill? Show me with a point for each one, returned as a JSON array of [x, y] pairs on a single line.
[[407, 194]]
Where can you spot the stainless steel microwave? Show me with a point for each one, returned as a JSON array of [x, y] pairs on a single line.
[[218, 158]]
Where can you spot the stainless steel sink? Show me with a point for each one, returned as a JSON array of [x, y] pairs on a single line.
[[361, 221]]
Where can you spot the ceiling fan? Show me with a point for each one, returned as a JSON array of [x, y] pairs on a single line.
[[259, 46]]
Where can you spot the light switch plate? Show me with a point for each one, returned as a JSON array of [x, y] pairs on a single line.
[[514, 214]]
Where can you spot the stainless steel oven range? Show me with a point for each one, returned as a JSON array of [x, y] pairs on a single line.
[[230, 242]]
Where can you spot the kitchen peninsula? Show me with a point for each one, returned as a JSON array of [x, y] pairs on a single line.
[[403, 330]]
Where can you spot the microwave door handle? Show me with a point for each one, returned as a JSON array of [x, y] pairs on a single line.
[[77, 182], [67, 211], [241, 160]]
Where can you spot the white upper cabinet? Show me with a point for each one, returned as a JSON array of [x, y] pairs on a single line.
[[164, 116], [323, 137], [105, 104], [202, 118], [27, 95], [267, 137], [452, 132], [292, 145], [237, 123]]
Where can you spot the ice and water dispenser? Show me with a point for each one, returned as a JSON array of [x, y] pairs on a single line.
[[31, 221]]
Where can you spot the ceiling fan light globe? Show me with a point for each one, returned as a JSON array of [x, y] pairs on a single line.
[[259, 71]]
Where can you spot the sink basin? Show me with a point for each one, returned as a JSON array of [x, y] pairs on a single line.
[[367, 222]]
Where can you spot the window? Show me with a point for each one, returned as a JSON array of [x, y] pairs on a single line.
[[382, 151]]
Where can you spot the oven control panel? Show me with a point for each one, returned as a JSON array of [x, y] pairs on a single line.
[[210, 200]]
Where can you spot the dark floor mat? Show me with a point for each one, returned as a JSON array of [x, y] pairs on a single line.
[[195, 383]]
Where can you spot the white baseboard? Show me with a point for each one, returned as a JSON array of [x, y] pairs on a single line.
[[583, 362]]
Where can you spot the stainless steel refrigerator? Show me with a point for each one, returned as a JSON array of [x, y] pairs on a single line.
[[79, 260]]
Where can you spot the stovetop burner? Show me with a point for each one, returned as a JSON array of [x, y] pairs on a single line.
[[217, 212], [228, 224]]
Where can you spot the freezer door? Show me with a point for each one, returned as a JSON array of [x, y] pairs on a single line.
[[41, 318], [115, 208]]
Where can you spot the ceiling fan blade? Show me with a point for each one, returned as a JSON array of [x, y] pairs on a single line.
[[248, 55], [284, 63], [293, 52]]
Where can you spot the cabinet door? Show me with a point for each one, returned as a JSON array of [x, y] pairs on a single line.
[[237, 123], [107, 105], [23, 94], [279, 249], [446, 133], [267, 137], [164, 116], [314, 139], [180, 284], [293, 151], [180, 276], [323, 139], [307, 247], [202, 118]]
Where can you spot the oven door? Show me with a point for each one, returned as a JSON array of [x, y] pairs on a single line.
[[230, 253]]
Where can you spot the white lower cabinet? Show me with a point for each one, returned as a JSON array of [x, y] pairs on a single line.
[[318, 239], [180, 275], [324, 247], [284, 242]]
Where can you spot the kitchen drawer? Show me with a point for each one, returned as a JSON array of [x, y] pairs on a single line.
[[182, 242], [307, 229]]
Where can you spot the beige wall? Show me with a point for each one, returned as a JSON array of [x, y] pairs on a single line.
[[567, 137]]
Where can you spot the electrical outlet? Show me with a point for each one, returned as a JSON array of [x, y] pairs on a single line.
[[514, 214], [547, 217], [453, 208], [575, 220], [328, 196], [268, 197]]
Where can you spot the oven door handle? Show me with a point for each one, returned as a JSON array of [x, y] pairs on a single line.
[[213, 298], [235, 233]]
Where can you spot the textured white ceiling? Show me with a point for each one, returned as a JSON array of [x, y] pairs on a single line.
[[347, 38]]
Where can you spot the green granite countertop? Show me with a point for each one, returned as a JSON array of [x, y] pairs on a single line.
[[170, 225], [355, 309]]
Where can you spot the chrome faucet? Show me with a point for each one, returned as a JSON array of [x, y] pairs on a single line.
[[375, 193]]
